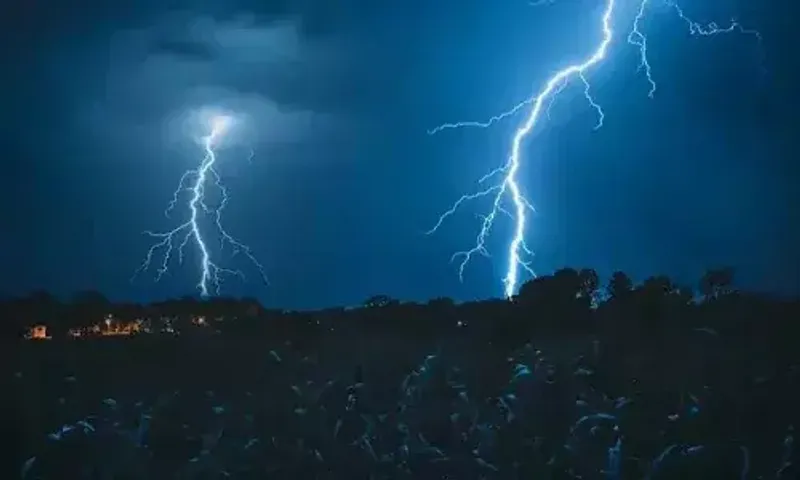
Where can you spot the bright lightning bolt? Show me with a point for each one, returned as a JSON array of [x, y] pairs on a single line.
[[509, 188], [195, 182]]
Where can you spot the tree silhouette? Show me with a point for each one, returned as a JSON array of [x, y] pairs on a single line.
[[561, 300], [380, 301], [651, 299], [589, 282], [620, 285], [717, 282]]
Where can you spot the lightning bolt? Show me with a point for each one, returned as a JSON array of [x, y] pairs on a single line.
[[508, 189], [195, 182]]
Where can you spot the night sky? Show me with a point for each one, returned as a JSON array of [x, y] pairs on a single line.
[[345, 181]]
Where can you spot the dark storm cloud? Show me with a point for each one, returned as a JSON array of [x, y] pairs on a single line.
[[290, 87], [297, 54], [183, 48]]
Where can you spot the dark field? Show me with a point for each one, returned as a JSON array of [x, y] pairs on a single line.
[[640, 387]]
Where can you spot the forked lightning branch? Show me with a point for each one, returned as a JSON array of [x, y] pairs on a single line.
[[170, 246], [506, 193]]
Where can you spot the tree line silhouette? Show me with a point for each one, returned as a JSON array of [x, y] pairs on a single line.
[[568, 301]]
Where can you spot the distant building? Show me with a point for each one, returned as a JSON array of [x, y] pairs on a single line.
[[38, 332]]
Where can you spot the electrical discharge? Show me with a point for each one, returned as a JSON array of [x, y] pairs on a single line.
[[194, 182], [508, 188]]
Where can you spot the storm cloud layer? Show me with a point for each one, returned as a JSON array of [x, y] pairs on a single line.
[[264, 71]]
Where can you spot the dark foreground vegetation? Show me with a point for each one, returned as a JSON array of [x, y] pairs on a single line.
[[651, 381]]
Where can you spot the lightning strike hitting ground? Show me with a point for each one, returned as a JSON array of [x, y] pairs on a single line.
[[508, 188], [195, 182]]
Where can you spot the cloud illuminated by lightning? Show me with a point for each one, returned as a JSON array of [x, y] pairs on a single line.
[[508, 188], [195, 182]]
